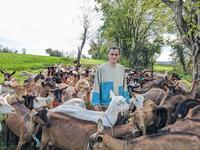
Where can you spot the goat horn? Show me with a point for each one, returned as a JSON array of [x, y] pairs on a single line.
[[64, 88], [177, 84], [51, 90]]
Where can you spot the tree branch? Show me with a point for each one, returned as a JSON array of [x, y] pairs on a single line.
[[169, 4]]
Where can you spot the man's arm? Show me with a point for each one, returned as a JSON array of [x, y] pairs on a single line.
[[96, 90]]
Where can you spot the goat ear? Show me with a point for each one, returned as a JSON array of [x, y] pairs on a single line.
[[2, 72], [33, 113], [42, 83], [100, 126], [111, 94], [133, 95], [5, 94], [131, 118], [177, 84], [166, 77], [131, 115], [12, 73]]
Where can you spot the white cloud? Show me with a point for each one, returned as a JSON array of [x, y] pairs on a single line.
[[40, 24]]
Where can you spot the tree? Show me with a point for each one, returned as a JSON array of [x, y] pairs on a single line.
[[7, 50], [187, 19], [23, 51], [151, 52], [131, 24], [52, 52], [84, 36], [87, 15], [98, 48], [181, 55]]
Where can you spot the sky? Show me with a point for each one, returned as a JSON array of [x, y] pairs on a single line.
[[40, 24]]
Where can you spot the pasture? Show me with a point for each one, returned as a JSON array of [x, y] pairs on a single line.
[[33, 64]]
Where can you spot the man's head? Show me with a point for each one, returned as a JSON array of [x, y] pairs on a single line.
[[113, 55]]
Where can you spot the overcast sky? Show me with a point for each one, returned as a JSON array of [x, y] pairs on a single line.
[[40, 24]]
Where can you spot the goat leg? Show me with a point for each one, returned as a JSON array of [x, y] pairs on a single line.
[[7, 136], [20, 144], [35, 135]]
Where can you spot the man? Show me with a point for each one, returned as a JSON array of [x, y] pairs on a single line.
[[109, 76]]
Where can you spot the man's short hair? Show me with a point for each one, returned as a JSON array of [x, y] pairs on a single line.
[[114, 48]]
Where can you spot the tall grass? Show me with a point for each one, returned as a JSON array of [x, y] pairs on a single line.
[[10, 61]]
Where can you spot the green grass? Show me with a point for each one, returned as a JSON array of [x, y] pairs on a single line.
[[163, 68], [33, 64], [186, 78], [91, 62], [10, 61]]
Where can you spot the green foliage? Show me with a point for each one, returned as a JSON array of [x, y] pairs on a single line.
[[132, 25], [52, 52], [98, 50], [7, 50]]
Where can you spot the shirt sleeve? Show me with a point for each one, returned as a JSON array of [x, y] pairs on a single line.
[[96, 89], [125, 92]]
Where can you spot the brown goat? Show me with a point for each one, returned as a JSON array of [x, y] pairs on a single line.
[[155, 94], [162, 141], [144, 117], [190, 124], [169, 102], [22, 123], [71, 133]]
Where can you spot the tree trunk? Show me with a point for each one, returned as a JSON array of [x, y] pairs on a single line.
[[78, 57], [196, 57], [196, 60], [189, 35]]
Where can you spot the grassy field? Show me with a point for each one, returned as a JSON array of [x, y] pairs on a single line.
[[34, 64], [20, 62], [163, 68]]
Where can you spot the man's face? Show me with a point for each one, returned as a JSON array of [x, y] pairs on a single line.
[[113, 56]]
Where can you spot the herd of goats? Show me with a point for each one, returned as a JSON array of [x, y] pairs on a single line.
[[52, 110]]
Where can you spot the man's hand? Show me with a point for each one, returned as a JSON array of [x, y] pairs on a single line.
[[97, 108]]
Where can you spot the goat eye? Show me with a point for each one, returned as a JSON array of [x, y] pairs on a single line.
[[99, 139]]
